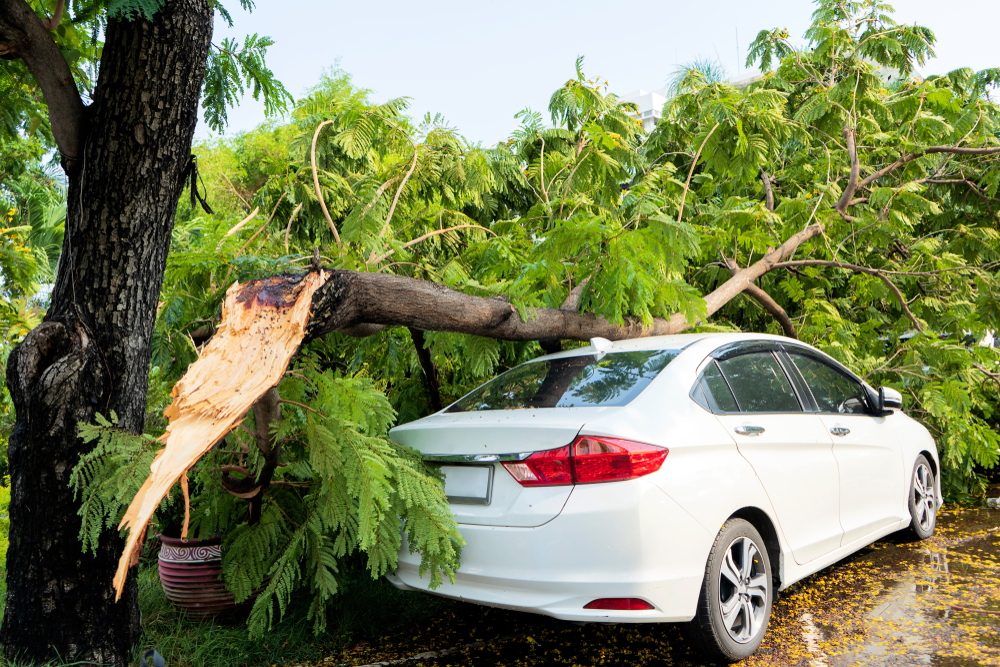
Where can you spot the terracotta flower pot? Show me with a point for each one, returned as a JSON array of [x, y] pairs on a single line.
[[191, 576]]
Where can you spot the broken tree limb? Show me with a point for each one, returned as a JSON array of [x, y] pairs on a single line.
[[263, 323], [349, 299], [766, 302]]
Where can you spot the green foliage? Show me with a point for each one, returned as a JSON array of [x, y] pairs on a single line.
[[593, 201], [231, 68], [711, 72], [344, 487], [109, 475], [634, 224], [134, 9]]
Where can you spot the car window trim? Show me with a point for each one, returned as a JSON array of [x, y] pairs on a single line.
[[700, 383], [799, 386], [745, 349], [837, 368]]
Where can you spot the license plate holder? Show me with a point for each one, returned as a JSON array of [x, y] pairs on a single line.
[[468, 485]]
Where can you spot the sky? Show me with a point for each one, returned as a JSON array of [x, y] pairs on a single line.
[[478, 62]]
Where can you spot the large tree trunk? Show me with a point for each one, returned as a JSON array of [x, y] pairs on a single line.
[[92, 352]]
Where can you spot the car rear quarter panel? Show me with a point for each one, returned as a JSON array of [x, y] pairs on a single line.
[[704, 472]]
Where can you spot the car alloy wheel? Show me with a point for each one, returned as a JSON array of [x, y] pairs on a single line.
[[923, 499], [743, 590], [736, 594]]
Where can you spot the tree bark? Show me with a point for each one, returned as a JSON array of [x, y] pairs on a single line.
[[23, 35], [765, 300], [92, 352], [352, 301]]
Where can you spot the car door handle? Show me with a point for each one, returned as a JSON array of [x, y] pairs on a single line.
[[840, 430], [749, 430]]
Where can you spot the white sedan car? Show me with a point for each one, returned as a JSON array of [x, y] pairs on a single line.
[[679, 479]]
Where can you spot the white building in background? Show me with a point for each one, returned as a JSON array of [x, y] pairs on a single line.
[[651, 103]]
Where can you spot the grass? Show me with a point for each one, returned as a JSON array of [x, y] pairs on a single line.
[[365, 610]]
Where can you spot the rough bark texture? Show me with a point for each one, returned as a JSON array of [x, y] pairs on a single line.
[[349, 299], [92, 352], [23, 35], [765, 300]]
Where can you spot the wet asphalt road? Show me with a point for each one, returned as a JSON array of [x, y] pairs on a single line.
[[897, 602]]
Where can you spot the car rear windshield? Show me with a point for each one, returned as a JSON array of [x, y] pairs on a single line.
[[570, 382]]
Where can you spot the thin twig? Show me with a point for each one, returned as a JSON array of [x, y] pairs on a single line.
[[300, 405], [694, 162], [399, 191], [237, 227], [288, 229], [376, 260], [319, 192]]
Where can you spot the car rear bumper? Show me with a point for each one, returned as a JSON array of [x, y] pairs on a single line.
[[617, 540]]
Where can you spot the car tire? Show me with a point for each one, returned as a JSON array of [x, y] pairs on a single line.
[[923, 499], [734, 606]]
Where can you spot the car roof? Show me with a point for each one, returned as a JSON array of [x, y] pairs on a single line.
[[674, 342]]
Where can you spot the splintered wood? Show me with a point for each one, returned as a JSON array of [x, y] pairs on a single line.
[[263, 323]]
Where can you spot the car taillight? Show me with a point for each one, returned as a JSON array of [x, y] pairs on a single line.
[[588, 460], [621, 604], [549, 468]]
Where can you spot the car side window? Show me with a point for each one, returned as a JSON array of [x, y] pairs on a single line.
[[834, 392], [717, 390], [759, 383]]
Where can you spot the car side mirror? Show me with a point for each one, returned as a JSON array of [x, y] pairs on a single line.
[[889, 400]]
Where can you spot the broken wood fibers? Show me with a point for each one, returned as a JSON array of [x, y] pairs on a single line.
[[263, 323]]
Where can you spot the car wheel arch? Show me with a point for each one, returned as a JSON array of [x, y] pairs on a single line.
[[768, 530], [931, 460]]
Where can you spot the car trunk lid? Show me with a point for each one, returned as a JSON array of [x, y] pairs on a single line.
[[480, 439]]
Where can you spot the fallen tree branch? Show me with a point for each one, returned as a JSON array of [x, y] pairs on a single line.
[[349, 299], [261, 329], [766, 302], [861, 269], [768, 191]]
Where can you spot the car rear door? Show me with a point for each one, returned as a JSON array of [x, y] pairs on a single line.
[[868, 453], [789, 449]]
